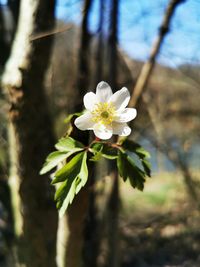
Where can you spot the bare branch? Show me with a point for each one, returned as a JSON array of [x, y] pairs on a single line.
[[149, 65]]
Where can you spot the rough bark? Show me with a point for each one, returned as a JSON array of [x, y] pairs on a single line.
[[31, 134], [147, 68]]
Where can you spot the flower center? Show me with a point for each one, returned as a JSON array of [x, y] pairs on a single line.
[[103, 113]]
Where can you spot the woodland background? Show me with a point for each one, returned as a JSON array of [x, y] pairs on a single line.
[[51, 54]]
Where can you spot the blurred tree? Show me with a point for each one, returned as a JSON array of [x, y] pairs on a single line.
[[77, 247], [99, 52], [3, 45], [5, 42], [6, 38], [14, 7], [149, 65], [113, 200], [159, 140], [31, 136]]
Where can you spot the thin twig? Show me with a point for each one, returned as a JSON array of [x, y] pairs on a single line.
[[49, 33], [146, 71]]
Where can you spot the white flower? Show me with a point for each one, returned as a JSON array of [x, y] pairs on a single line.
[[106, 113]]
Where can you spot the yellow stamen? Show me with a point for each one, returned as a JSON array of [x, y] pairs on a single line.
[[104, 113]]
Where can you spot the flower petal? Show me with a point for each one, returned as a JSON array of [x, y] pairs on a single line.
[[103, 92], [103, 131], [121, 129], [128, 114], [84, 122], [89, 100], [120, 99]]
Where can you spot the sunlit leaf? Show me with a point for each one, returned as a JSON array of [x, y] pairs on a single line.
[[73, 178], [52, 161], [70, 170], [67, 144]]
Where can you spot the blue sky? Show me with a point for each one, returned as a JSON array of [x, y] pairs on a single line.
[[139, 22], [138, 27]]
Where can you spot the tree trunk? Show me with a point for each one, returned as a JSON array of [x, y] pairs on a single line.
[[14, 7], [100, 46], [31, 135], [4, 46], [112, 43], [77, 212], [114, 198]]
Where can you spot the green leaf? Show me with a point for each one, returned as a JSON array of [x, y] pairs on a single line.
[[52, 161], [103, 150], [109, 152], [96, 149], [147, 167], [128, 170], [70, 116], [121, 165], [55, 158], [97, 156], [135, 148], [136, 175], [74, 181], [67, 144], [97, 146], [70, 170]]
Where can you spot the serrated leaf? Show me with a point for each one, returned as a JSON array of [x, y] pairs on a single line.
[[70, 170], [72, 185], [109, 152], [52, 161], [67, 144], [83, 175], [96, 149], [136, 175], [104, 150], [121, 166], [55, 158], [135, 148], [97, 156], [147, 167], [128, 170]]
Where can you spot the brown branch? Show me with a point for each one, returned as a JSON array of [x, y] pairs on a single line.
[[49, 33], [147, 69], [155, 120]]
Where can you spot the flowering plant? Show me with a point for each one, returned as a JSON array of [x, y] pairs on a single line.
[[106, 114]]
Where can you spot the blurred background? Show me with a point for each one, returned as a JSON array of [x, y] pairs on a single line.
[[51, 54]]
